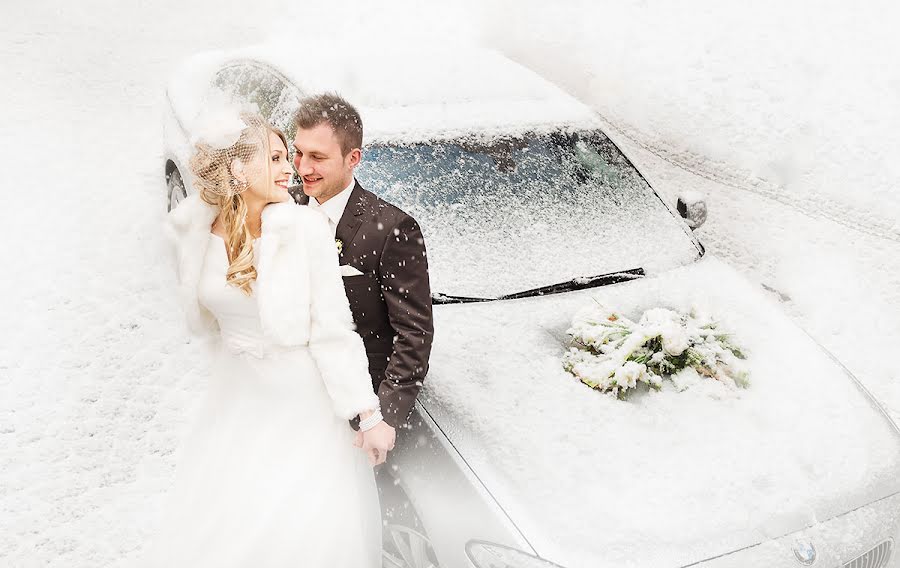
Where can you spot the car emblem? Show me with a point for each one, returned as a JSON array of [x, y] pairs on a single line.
[[805, 552]]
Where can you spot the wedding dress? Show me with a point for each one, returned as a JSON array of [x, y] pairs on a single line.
[[269, 477]]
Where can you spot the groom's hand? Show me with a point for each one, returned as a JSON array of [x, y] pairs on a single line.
[[378, 441]]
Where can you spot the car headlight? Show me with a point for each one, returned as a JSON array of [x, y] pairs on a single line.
[[490, 555]]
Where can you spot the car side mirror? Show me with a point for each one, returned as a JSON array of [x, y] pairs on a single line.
[[691, 206]]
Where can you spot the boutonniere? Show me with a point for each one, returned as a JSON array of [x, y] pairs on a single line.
[[340, 245]]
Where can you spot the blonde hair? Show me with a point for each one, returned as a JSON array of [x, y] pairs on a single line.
[[217, 185]]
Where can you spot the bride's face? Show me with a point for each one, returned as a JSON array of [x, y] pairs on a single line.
[[268, 175]]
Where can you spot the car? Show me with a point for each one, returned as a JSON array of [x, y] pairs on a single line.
[[531, 212]]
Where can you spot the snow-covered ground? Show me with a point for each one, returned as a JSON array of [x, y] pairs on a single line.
[[784, 114]]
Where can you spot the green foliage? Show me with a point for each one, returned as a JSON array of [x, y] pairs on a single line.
[[607, 355]]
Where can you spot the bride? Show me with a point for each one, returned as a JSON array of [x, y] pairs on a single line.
[[269, 477]]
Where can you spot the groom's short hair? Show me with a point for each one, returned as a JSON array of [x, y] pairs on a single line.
[[334, 110]]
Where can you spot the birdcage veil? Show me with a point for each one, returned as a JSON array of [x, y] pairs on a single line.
[[230, 146], [229, 137], [227, 144]]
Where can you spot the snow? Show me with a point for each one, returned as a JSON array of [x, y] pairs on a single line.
[[794, 98], [799, 443], [480, 89], [489, 219], [788, 124]]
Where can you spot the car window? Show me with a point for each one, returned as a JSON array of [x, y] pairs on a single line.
[[509, 214], [276, 97]]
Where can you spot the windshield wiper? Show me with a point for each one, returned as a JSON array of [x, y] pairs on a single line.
[[580, 283]]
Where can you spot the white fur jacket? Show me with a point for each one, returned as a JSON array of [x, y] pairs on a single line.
[[298, 289]]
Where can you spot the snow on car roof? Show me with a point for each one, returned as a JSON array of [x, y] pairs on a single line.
[[405, 94]]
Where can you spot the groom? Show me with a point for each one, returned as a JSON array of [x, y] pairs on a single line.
[[382, 254]]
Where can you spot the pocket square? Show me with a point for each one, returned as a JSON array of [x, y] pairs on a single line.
[[347, 270]]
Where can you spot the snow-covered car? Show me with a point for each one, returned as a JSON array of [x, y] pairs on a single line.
[[532, 213]]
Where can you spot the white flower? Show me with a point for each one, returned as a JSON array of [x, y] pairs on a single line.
[[219, 123], [632, 343], [604, 341], [675, 340], [654, 380], [660, 317], [628, 375], [219, 131]]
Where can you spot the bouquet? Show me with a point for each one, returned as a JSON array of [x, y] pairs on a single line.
[[610, 353]]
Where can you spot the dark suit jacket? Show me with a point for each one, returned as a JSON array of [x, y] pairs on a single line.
[[391, 300]]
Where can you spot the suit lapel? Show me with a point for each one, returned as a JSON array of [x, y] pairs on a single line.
[[350, 220]]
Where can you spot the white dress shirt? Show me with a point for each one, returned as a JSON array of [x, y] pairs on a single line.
[[334, 207]]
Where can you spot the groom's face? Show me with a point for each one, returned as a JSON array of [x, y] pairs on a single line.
[[320, 162]]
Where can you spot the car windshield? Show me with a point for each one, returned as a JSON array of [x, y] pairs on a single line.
[[510, 214]]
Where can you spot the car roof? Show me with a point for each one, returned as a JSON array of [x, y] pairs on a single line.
[[403, 93]]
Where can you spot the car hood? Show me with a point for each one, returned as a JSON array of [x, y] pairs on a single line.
[[664, 478]]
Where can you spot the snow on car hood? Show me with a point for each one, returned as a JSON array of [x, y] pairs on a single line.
[[664, 478]]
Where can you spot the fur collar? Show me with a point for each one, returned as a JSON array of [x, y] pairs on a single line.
[[194, 215], [278, 274]]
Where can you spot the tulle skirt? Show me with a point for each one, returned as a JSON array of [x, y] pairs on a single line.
[[269, 477]]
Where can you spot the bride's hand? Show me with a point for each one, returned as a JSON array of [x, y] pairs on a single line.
[[358, 437], [376, 442]]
